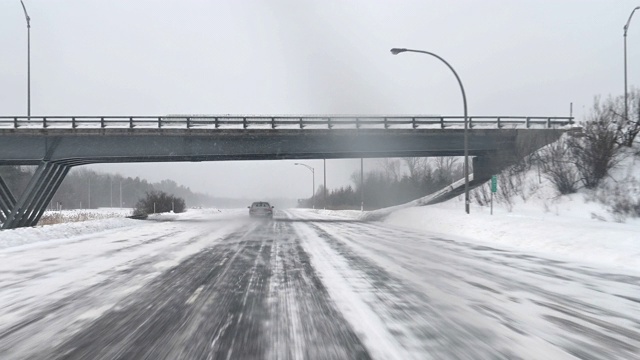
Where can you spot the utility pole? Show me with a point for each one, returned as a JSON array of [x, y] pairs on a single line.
[[361, 184], [28, 60], [313, 183], [111, 196], [467, 201], [121, 194], [626, 27], [324, 183]]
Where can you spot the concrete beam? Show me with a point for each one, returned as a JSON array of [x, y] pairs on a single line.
[[155, 145]]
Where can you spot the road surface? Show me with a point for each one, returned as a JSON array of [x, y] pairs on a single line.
[[305, 286]]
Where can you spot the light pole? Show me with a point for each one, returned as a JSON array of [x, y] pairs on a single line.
[[626, 27], [111, 195], [324, 183], [313, 184], [28, 60], [396, 51], [361, 184]]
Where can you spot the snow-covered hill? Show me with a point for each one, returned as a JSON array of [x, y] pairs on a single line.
[[579, 227]]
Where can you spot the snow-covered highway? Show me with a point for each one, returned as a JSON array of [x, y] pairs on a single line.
[[211, 285]]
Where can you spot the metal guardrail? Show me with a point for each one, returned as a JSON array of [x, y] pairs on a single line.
[[275, 121]]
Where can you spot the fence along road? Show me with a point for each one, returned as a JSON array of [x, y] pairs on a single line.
[[277, 121]]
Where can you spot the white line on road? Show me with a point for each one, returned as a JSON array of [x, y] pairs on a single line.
[[194, 296]]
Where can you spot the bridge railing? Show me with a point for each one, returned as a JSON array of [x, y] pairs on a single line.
[[278, 122]]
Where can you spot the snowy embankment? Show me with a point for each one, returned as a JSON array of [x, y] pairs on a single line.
[[23, 236], [106, 219], [563, 235], [72, 225], [577, 227]]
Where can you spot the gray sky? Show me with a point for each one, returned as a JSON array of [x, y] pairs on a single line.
[[125, 57]]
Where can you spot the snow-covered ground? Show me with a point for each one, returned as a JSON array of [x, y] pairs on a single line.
[[68, 223], [572, 227], [568, 231], [543, 277], [310, 284]]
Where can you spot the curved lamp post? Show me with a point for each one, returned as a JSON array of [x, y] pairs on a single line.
[[626, 27], [396, 51], [313, 190], [28, 60]]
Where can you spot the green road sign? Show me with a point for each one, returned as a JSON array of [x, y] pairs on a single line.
[[494, 183]]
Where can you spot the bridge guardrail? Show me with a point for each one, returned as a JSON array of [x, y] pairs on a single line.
[[277, 121]]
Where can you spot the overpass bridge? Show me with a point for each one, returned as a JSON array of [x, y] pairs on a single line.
[[57, 143]]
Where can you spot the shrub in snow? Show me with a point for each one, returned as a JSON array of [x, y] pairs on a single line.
[[629, 128], [67, 216], [621, 192], [159, 202], [557, 165], [595, 151]]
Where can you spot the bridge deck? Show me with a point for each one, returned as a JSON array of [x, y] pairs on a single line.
[[56, 144], [76, 140], [83, 146]]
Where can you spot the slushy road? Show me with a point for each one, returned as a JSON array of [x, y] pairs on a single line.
[[305, 286]]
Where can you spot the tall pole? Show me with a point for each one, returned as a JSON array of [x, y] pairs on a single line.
[[324, 183], [89, 195], [121, 194], [626, 27], [313, 183], [361, 184], [396, 51], [28, 60], [111, 196]]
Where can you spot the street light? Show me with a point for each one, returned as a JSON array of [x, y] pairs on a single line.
[[626, 27], [324, 183], [313, 190], [28, 60], [396, 51]]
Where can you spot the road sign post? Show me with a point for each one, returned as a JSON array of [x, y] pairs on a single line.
[[494, 188]]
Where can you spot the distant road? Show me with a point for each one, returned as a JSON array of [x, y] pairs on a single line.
[[305, 286]]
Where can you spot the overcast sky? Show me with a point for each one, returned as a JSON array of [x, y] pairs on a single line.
[[152, 57]]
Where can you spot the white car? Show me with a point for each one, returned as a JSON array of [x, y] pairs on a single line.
[[261, 209]]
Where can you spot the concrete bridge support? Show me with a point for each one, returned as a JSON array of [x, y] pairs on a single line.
[[494, 162], [31, 204], [7, 201]]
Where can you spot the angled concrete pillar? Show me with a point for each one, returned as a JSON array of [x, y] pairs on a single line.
[[51, 191], [7, 200], [30, 206]]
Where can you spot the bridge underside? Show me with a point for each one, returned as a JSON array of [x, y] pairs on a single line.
[[55, 151]]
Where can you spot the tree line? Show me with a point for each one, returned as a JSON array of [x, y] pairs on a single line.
[[86, 189], [393, 182]]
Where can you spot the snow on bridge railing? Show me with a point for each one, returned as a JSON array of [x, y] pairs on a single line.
[[278, 121]]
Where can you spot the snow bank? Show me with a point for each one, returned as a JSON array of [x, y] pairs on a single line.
[[574, 227], [115, 219], [579, 227], [568, 237], [22, 236]]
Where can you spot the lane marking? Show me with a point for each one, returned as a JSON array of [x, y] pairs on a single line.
[[194, 296]]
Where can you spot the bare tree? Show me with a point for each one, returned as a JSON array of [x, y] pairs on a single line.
[[416, 167], [558, 166], [627, 129], [595, 151], [391, 168]]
